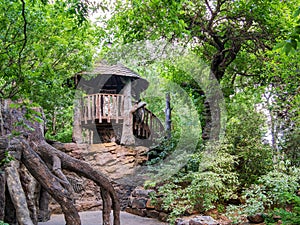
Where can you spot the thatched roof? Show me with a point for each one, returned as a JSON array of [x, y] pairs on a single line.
[[118, 74], [101, 68]]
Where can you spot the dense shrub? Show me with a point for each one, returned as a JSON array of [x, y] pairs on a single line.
[[214, 183], [267, 193]]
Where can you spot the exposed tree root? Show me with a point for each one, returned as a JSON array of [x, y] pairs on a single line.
[[45, 163]]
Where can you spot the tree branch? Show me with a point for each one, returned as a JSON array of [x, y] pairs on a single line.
[[24, 32]]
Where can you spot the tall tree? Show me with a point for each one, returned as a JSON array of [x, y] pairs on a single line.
[[229, 35]]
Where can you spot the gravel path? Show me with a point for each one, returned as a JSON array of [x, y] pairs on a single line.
[[95, 218]]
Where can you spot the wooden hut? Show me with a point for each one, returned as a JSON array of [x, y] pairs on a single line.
[[111, 110]]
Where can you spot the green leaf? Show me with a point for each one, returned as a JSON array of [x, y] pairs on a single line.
[[296, 13], [279, 45], [294, 43]]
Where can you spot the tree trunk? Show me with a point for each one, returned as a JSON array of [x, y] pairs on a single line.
[[17, 194], [2, 195], [44, 211], [32, 188], [77, 130], [168, 115], [45, 164], [212, 129], [10, 212]]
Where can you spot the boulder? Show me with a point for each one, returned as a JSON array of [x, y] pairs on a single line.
[[149, 204], [138, 212], [257, 218], [163, 216], [141, 192], [152, 214], [181, 221], [203, 220], [139, 203]]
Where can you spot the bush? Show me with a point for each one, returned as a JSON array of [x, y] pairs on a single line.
[[290, 217], [214, 183], [267, 193]]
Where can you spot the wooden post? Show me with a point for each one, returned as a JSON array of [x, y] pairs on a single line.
[[168, 115], [127, 133], [77, 130]]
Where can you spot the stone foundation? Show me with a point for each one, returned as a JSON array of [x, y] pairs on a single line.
[[117, 162], [140, 204]]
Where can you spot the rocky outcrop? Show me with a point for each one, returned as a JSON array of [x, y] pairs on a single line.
[[197, 220], [257, 218], [140, 204], [118, 162]]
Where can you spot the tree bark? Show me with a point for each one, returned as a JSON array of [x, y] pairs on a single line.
[[84, 169], [32, 188], [2, 195], [168, 115], [106, 206], [77, 130], [40, 171], [44, 200], [45, 164], [17, 194], [10, 211]]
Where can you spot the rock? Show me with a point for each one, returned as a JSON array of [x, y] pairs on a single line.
[[141, 150], [138, 212], [149, 204], [128, 160], [141, 192], [141, 159], [139, 203], [181, 221], [110, 144], [158, 205], [104, 158], [130, 153], [258, 218], [203, 220], [163, 216], [152, 213], [111, 169], [276, 217]]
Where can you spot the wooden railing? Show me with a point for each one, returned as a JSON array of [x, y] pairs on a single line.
[[98, 107], [146, 125], [102, 106]]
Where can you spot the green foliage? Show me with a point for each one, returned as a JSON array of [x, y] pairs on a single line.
[[245, 130], [292, 44], [60, 123], [2, 223], [6, 160], [214, 183], [41, 49], [267, 193], [289, 217]]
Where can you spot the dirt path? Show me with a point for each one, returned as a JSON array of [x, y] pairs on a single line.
[[95, 218]]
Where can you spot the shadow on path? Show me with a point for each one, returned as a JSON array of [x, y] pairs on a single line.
[[95, 218]]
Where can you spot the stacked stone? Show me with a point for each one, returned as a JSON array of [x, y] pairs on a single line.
[[141, 205]]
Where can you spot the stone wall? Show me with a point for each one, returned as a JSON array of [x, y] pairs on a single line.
[[119, 163], [140, 204]]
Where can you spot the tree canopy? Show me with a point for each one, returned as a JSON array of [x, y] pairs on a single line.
[[251, 48]]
